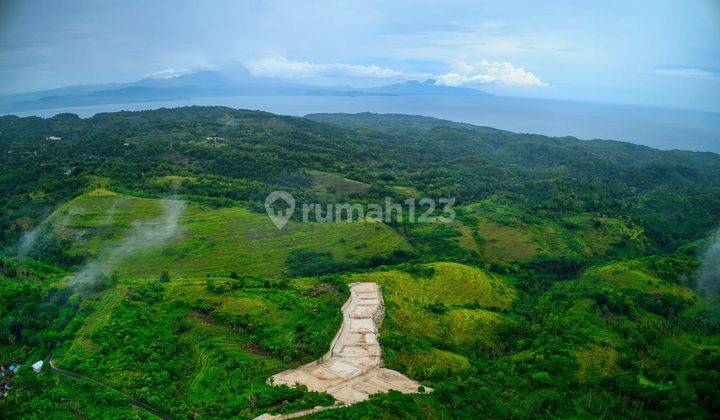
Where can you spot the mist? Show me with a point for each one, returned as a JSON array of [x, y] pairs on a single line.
[[709, 277], [142, 236], [30, 238]]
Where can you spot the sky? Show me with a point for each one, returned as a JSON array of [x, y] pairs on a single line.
[[647, 52]]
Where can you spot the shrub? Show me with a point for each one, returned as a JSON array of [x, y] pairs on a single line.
[[303, 262]]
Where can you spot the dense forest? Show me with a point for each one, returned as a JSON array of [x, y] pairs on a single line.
[[595, 245]]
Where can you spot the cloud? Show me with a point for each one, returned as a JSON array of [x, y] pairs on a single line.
[[281, 67], [688, 73], [461, 73], [483, 72], [170, 73]]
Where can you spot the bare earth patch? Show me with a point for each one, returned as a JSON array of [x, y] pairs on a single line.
[[353, 368]]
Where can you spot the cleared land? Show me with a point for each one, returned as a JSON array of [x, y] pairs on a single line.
[[211, 241], [352, 370], [431, 322]]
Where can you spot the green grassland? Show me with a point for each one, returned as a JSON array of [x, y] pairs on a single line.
[[624, 326], [203, 343], [619, 309], [631, 275], [334, 186], [507, 234], [211, 241], [495, 232], [432, 321]]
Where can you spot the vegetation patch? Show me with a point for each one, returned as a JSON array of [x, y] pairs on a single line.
[[564, 287], [335, 186], [432, 320], [212, 241], [208, 346]]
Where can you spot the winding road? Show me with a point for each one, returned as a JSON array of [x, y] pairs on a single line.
[[130, 399]]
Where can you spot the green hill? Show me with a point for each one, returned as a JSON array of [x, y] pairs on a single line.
[[207, 240], [506, 234], [434, 318], [136, 251], [206, 345]]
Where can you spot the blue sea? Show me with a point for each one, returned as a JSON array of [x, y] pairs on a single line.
[[661, 128]]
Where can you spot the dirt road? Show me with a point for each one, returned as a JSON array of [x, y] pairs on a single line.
[[353, 369], [130, 399]]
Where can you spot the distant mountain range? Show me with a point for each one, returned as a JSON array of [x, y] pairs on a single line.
[[427, 87], [209, 84]]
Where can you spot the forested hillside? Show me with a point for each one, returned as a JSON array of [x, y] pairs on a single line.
[[566, 286], [242, 155]]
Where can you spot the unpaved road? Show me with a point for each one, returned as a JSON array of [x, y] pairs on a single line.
[[353, 368], [130, 399]]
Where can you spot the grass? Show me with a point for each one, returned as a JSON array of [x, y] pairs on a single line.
[[612, 299], [630, 275], [466, 327], [330, 185], [505, 243], [507, 234], [596, 361], [169, 181], [83, 344], [424, 342], [406, 191], [227, 339], [644, 381], [225, 342], [453, 284], [211, 241], [223, 363], [433, 363]]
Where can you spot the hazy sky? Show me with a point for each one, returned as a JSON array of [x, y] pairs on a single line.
[[653, 52]]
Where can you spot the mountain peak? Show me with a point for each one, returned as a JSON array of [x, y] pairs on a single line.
[[428, 82], [427, 87], [180, 84]]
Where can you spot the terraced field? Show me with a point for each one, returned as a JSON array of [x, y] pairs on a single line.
[[452, 309], [224, 341], [207, 240]]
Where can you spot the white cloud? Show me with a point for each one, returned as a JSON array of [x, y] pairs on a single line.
[[482, 72], [281, 67], [688, 72], [461, 74], [170, 73]]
